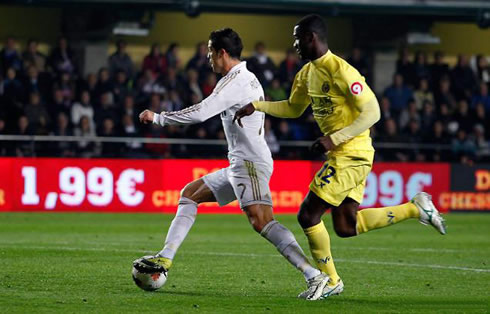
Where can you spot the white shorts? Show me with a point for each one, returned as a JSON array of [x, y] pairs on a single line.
[[243, 180]]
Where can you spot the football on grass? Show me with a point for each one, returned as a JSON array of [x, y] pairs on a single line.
[[148, 280]]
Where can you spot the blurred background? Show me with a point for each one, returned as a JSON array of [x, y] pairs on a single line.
[[74, 76]]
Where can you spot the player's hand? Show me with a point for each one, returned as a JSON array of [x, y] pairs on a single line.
[[322, 145], [146, 116], [243, 112]]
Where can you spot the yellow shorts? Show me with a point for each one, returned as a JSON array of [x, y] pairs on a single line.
[[342, 176]]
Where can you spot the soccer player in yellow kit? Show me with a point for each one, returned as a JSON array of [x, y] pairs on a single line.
[[344, 108]]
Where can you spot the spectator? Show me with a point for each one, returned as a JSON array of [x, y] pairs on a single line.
[[192, 86], [129, 109], [462, 146], [483, 70], [90, 84], [480, 117], [36, 114], [462, 117], [360, 62], [208, 85], [104, 83], [385, 110], [155, 61], [172, 56], [444, 95], [58, 104], [84, 148], [175, 103], [428, 116], [109, 149], [270, 137], [120, 60], [12, 86], [482, 97], [398, 94], [129, 129], [275, 91], [261, 65], [199, 62], [62, 58], [420, 67], [9, 57], [413, 135], [105, 111], [24, 148], [66, 85], [172, 81], [390, 135], [32, 57], [436, 138], [120, 87], [83, 108], [404, 67], [147, 85], [288, 68], [423, 93], [482, 144], [463, 79], [4, 146], [34, 83], [63, 149], [438, 70]]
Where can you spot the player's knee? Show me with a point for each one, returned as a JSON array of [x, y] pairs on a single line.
[[345, 231], [305, 219], [189, 192]]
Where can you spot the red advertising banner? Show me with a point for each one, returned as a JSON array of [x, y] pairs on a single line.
[[129, 185]]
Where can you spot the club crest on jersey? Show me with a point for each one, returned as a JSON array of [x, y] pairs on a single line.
[[325, 87], [356, 88]]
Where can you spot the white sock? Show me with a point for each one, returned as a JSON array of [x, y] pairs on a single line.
[[287, 245], [179, 228]]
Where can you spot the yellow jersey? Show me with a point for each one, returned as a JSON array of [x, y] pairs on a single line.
[[336, 92]]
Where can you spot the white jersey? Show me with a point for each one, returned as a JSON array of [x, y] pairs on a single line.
[[236, 89]]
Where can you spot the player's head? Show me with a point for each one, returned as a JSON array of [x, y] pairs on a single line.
[[309, 33], [223, 45]]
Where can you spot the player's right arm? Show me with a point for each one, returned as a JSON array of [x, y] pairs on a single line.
[[291, 108], [220, 100]]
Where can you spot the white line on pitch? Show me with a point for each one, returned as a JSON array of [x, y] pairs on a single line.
[[264, 255]]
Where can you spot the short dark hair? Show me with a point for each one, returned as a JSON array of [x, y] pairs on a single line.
[[314, 23], [228, 40]]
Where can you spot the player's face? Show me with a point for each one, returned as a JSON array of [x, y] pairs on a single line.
[[300, 44], [215, 60]]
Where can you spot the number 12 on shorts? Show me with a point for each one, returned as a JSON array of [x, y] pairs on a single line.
[[325, 173]]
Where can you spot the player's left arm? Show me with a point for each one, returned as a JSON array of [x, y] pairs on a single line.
[[360, 96]]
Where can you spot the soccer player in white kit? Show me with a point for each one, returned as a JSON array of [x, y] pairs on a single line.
[[247, 177]]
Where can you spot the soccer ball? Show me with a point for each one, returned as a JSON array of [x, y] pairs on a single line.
[[148, 280]]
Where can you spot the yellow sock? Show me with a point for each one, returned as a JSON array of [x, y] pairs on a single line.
[[374, 218], [319, 242]]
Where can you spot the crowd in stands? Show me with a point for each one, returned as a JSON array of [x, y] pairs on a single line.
[[428, 103]]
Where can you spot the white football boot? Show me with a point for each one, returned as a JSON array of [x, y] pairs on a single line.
[[429, 215], [331, 290], [314, 287]]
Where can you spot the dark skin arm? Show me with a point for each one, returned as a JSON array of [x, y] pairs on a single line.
[[321, 145], [243, 112]]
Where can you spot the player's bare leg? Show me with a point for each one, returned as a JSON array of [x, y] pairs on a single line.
[[262, 220], [348, 221], [309, 217], [192, 195]]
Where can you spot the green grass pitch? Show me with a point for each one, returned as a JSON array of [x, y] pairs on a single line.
[[72, 263]]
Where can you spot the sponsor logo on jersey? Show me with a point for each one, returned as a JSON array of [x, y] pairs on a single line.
[[356, 88]]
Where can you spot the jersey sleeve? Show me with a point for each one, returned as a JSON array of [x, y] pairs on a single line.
[[222, 98], [353, 85], [293, 107]]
